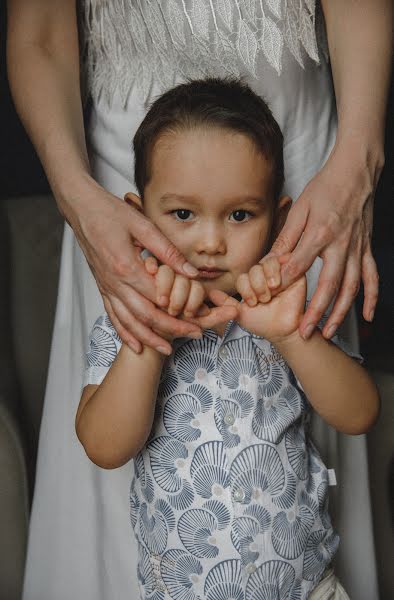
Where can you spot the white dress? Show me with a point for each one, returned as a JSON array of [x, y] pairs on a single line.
[[81, 545]]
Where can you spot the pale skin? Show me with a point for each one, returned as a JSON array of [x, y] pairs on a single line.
[[199, 211], [334, 213]]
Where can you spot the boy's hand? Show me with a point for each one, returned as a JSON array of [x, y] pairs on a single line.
[[179, 295], [275, 317]]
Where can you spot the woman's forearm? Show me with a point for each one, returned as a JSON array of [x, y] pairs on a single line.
[[43, 69], [338, 388], [360, 45], [114, 422]]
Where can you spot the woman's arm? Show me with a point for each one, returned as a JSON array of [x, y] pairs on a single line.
[[43, 69], [335, 211], [338, 388], [114, 419]]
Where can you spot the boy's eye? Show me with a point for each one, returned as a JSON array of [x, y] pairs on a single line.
[[182, 214], [240, 215]]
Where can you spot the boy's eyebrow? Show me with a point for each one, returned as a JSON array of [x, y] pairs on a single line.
[[193, 200], [171, 196]]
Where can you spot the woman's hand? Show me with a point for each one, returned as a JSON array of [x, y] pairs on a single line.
[[333, 219], [108, 230]]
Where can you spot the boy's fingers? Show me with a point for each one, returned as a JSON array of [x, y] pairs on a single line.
[[195, 300], [259, 283], [244, 288], [271, 266], [218, 315], [203, 311], [179, 295], [164, 281], [151, 265], [220, 298]]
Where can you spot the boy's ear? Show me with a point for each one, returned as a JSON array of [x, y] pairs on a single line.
[[133, 200], [282, 210]]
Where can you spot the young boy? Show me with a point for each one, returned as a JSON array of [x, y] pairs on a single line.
[[229, 497]]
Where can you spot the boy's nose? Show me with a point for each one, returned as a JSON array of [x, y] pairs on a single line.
[[211, 240]]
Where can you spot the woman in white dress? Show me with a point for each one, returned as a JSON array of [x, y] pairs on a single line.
[[80, 542]]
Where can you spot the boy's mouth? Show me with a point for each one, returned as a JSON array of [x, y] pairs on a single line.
[[209, 273]]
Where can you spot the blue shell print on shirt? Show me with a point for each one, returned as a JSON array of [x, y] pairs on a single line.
[[229, 496]]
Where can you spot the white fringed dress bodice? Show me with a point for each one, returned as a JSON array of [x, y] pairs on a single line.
[[159, 42]]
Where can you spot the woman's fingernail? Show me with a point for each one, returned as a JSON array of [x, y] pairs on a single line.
[[332, 330], [272, 282], [163, 350], [252, 301], [163, 300], [371, 315], [308, 331], [189, 269]]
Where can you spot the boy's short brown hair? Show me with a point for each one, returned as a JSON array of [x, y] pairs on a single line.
[[228, 103]]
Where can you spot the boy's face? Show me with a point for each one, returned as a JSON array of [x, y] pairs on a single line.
[[211, 194]]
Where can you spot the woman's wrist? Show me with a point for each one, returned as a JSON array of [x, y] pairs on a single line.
[[363, 150], [73, 194]]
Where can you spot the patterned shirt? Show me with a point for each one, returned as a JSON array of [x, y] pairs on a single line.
[[229, 497]]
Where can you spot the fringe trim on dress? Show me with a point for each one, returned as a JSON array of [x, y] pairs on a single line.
[[163, 41]]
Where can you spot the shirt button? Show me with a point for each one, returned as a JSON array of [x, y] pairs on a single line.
[[229, 419], [160, 586], [250, 568], [223, 352], [239, 495]]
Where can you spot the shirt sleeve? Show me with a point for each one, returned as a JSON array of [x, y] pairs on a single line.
[[104, 345]]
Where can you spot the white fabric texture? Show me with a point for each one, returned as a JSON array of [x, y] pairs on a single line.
[[154, 42], [80, 543]]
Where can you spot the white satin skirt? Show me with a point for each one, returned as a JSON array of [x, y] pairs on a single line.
[[81, 544]]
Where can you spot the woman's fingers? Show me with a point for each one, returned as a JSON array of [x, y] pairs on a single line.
[[309, 247], [141, 332], [370, 277], [143, 230], [107, 241], [346, 296], [125, 336], [137, 308], [292, 230], [329, 283]]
